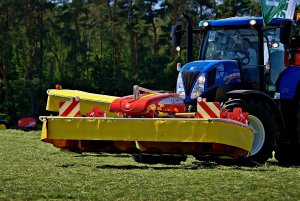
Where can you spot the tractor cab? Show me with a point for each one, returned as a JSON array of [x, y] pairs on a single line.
[[240, 44]]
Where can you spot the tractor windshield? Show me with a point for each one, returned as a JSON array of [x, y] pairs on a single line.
[[228, 44]]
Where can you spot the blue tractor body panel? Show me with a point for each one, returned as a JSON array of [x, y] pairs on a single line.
[[288, 81], [220, 71]]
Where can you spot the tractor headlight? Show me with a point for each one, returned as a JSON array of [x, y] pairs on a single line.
[[205, 24], [252, 22], [198, 87], [180, 88]]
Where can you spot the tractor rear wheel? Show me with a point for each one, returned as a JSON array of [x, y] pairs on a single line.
[[286, 153], [261, 118]]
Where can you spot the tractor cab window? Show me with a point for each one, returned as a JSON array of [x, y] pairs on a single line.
[[273, 56], [234, 44], [240, 44]]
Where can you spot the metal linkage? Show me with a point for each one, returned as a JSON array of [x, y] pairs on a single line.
[[137, 89]]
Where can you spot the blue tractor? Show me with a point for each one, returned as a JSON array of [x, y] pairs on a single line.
[[241, 62]]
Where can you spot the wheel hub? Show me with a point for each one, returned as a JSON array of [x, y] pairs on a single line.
[[259, 135]]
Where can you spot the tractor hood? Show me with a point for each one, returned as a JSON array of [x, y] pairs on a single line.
[[199, 77], [200, 66]]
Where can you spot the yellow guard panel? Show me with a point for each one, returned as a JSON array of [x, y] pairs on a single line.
[[155, 130], [87, 100]]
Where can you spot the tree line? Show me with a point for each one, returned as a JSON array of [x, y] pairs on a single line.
[[99, 46]]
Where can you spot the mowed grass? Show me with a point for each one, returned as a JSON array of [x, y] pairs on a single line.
[[32, 170]]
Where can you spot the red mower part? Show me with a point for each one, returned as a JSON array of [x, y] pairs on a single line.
[[148, 105], [27, 123], [96, 112], [237, 114]]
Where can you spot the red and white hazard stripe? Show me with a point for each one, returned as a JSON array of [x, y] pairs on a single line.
[[208, 110], [69, 108]]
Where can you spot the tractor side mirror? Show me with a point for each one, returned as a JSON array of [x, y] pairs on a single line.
[[285, 31], [176, 35]]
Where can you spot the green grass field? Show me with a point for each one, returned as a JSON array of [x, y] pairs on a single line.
[[32, 170]]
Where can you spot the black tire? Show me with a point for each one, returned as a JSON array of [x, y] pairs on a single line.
[[286, 153], [264, 114], [159, 159], [221, 93]]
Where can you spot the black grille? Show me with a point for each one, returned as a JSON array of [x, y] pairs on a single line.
[[211, 78], [188, 80]]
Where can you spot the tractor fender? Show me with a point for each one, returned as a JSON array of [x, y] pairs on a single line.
[[260, 96]]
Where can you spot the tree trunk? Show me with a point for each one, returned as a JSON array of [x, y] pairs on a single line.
[[76, 67], [154, 47], [32, 43], [112, 13], [41, 41]]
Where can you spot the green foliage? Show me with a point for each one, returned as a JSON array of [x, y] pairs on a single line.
[[231, 8], [96, 46], [25, 97]]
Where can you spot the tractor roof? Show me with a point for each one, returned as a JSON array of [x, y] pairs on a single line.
[[238, 21]]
